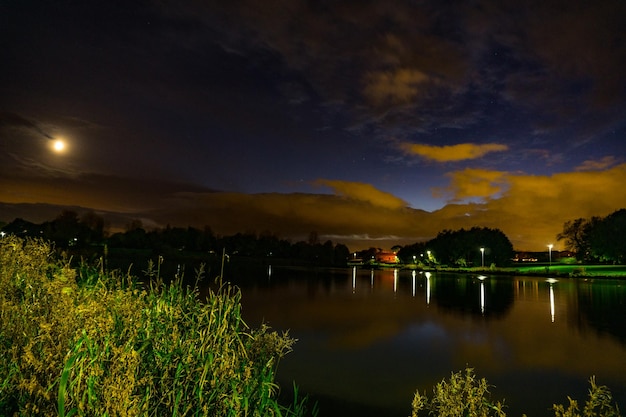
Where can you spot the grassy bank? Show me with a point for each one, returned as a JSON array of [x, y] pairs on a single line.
[[82, 342], [543, 270]]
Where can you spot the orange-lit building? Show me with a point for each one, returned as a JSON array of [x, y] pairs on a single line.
[[385, 257]]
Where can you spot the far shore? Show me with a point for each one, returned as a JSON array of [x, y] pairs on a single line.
[[540, 270]]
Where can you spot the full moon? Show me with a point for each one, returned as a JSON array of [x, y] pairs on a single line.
[[58, 145]]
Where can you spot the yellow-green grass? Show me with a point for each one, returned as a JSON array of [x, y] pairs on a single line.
[[466, 395], [79, 342], [574, 270]]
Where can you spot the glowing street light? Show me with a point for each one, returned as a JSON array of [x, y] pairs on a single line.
[[482, 256], [550, 254]]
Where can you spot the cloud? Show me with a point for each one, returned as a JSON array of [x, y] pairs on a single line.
[[529, 209], [15, 121], [596, 165], [398, 86], [473, 183], [460, 152], [534, 69], [100, 192], [364, 192]]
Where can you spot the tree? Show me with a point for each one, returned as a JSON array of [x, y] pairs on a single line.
[[576, 236], [607, 237], [341, 254], [409, 253], [599, 238], [66, 230], [463, 247], [96, 224]]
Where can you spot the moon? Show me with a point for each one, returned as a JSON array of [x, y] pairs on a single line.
[[58, 145]]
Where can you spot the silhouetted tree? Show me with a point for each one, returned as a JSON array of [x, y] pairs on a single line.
[[66, 230], [576, 236], [341, 254], [462, 247], [597, 238], [407, 252], [95, 224], [607, 237], [134, 224], [21, 227]]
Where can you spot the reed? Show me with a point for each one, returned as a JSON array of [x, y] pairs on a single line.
[[465, 395], [79, 342]]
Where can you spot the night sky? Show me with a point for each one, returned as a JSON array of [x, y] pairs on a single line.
[[372, 123]]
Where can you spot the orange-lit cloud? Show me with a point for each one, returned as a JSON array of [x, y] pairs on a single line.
[[473, 183], [532, 208], [363, 192], [460, 152], [529, 209]]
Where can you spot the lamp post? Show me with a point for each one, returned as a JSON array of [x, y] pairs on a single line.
[[482, 257], [550, 254]]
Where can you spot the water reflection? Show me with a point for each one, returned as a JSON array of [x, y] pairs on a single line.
[[371, 337], [551, 282], [482, 294]]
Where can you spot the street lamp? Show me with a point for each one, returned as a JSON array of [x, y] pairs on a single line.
[[550, 254], [482, 256]]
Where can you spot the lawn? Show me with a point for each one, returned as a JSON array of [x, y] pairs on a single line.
[[613, 271]]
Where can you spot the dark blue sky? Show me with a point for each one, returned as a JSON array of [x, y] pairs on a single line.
[[361, 120]]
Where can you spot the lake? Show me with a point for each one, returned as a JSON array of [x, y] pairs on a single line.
[[367, 339]]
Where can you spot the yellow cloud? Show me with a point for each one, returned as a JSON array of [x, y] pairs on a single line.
[[448, 153], [529, 209], [473, 183], [363, 192], [532, 209]]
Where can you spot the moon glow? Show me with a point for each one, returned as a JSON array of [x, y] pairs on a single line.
[[58, 145]]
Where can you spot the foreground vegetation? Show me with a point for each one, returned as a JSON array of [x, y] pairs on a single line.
[[465, 395], [83, 342]]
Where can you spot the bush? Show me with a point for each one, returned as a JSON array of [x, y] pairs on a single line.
[[463, 395], [599, 404], [99, 345]]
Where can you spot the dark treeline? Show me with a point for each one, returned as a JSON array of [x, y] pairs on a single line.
[[461, 248], [87, 233], [597, 239]]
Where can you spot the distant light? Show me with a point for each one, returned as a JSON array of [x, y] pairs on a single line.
[[58, 145]]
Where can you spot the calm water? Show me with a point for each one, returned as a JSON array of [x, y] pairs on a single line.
[[368, 339]]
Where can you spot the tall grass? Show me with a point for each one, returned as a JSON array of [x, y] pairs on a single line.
[[78, 342], [465, 395]]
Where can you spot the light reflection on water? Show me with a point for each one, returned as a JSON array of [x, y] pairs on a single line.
[[368, 339]]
